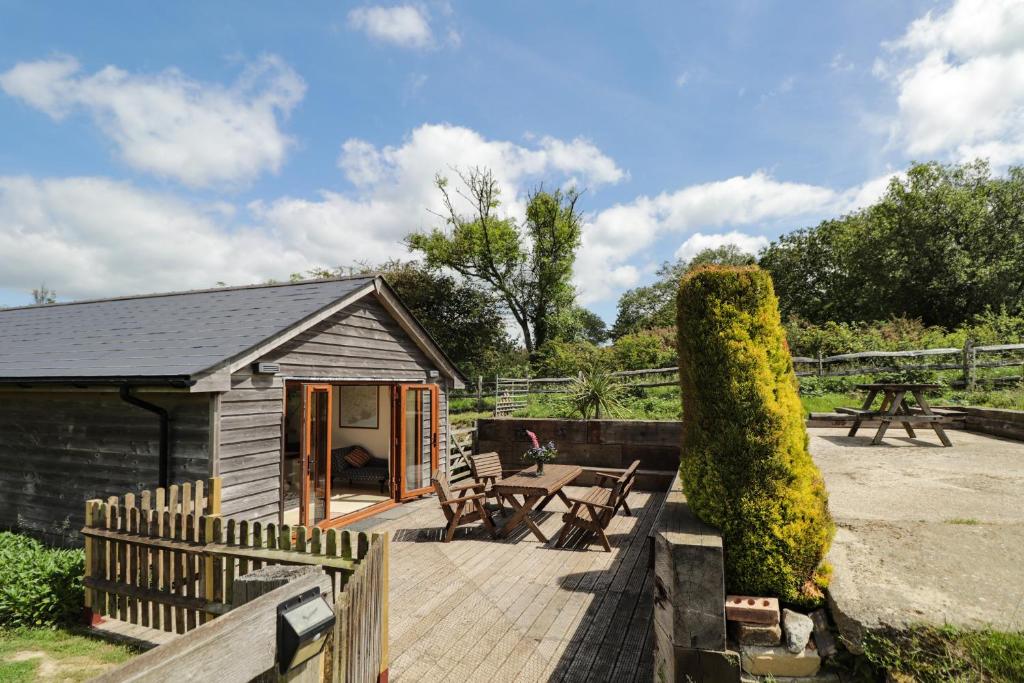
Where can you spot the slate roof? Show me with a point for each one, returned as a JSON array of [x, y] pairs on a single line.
[[159, 336]]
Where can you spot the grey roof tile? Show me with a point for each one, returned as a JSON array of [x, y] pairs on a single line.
[[177, 334]]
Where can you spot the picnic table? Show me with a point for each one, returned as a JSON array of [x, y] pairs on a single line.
[[537, 490], [894, 408]]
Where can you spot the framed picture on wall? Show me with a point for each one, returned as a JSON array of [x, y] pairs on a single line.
[[358, 406]]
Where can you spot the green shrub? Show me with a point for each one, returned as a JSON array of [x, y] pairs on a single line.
[[745, 464], [39, 586]]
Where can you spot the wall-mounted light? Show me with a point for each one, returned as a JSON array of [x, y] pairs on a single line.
[[303, 623]]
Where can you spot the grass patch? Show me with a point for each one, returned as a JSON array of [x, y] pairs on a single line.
[[928, 653], [44, 654], [663, 403]]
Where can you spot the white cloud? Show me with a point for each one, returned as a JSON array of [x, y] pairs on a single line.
[[94, 236], [87, 237], [614, 236], [698, 242], [840, 63], [395, 191], [167, 124], [959, 76], [402, 25]]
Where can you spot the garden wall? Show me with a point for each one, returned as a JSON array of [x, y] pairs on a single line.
[[592, 444]]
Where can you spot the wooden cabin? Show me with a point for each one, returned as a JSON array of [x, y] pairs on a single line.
[[317, 402]]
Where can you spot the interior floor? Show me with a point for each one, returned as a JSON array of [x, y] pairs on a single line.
[[344, 501]]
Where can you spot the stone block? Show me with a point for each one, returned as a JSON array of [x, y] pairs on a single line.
[[752, 609], [778, 661], [755, 634], [798, 629]]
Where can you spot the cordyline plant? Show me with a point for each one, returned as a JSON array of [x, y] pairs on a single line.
[[595, 393]]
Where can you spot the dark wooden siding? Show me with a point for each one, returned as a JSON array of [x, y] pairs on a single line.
[[250, 446], [58, 449], [363, 342]]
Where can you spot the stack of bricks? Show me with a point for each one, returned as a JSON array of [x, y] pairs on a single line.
[[753, 621], [770, 646]]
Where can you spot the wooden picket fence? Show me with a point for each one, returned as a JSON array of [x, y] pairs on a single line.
[[167, 560]]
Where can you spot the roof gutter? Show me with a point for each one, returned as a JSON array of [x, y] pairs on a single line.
[[165, 419]]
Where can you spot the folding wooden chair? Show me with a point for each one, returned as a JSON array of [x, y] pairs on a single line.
[[454, 508]]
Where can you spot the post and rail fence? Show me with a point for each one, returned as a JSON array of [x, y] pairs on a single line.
[[511, 393], [166, 560]]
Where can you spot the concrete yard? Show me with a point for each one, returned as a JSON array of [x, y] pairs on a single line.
[[924, 533]]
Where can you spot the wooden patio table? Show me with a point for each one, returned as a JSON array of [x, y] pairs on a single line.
[[537, 491], [894, 408]]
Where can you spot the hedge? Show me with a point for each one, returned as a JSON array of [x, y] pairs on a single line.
[[39, 586], [745, 465]]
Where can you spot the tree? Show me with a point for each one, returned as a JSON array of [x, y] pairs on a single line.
[[43, 295], [528, 266], [576, 323], [745, 466], [653, 306], [943, 244]]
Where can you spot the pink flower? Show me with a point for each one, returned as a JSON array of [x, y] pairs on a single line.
[[533, 439]]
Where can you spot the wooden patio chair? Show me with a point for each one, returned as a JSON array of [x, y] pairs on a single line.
[[454, 503], [486, 469], [628, 478], [592, 511]]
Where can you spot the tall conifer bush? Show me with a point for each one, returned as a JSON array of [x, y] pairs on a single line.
[[745, 464]]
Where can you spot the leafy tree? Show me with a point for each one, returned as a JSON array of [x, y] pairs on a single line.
[[943, 244], [745, 465], [653, 306], [576, 323], [43, 295], [527, 266]]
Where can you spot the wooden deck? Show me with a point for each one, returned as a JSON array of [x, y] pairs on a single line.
[[515, 609]]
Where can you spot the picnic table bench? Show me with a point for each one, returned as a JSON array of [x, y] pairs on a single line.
[[895, 408]]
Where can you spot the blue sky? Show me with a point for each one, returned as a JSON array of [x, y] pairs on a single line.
[[161, 147]]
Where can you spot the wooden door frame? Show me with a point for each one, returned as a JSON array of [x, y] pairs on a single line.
[[398, 420], [308, 388]]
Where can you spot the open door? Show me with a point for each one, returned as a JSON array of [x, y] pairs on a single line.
[[316, 454], [416, 438]]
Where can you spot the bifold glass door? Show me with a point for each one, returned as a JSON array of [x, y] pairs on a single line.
[[316, 454], [417, 437]]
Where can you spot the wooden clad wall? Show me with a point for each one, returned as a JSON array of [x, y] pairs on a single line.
[[59, 449], [363, 342], [249, 455]]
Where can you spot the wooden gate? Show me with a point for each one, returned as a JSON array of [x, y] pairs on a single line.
[[166, 560]]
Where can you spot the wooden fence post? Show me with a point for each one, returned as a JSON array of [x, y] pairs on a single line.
[[970, 369], [821, 365], [479, 393], [260, 582]]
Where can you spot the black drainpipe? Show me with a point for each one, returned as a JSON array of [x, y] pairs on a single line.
[[165, 446]]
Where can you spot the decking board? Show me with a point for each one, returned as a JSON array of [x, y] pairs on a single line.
[[479, 609]]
